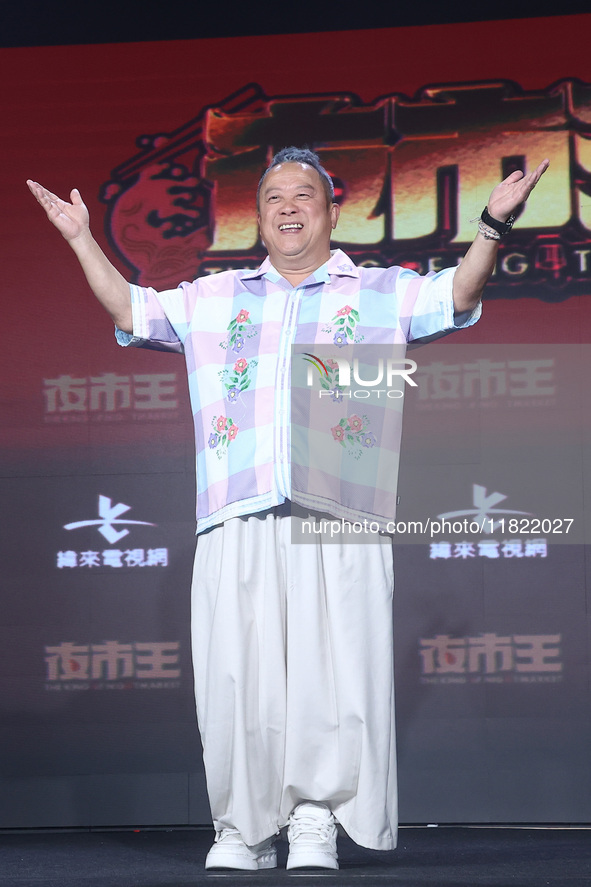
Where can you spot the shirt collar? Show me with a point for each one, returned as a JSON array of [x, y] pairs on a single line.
[[339, 265]]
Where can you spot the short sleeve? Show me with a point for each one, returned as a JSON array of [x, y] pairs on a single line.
[[161, 320], [432, 314]]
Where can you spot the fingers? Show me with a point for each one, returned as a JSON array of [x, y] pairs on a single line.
[[54, 198], [44, 194], [537, 174], [36, 189], [542, 167], [515, 190], [45, 197], [524, 184], [514, 177], [532, 179]]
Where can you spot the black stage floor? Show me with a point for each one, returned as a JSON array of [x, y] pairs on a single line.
[[442, 857]]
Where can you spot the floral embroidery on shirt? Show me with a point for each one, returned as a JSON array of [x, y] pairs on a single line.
[[353, 434], [238, 331], [237, 379], [224, 432], [343, 326]]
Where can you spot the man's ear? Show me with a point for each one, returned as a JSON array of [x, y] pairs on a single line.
[[335, 212], [259, 224]]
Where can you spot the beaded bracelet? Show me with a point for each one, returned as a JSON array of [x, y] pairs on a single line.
[[488, 233]]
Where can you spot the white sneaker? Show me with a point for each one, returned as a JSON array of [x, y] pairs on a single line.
[[230, 852], [312, 836]]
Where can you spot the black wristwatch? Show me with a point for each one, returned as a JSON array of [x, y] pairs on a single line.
[[500, 227]]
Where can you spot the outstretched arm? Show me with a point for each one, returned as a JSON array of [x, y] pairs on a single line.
[[72, 221], [479, 262]]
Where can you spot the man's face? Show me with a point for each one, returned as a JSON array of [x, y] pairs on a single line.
[[295, 219]]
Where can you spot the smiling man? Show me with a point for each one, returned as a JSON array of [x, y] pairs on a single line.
[[296, 215], [292, 644]]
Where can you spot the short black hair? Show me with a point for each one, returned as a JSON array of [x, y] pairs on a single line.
[[300, 155]]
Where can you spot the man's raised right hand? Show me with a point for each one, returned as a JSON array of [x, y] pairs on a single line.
[[106, 282], [71, 219]]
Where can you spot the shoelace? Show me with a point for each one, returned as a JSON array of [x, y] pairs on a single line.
[[303, 823]]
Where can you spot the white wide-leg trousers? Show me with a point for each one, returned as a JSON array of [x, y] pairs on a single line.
[[293, 660]]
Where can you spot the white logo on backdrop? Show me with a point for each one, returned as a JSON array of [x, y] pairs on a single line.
[[108, 524], [109, 515]]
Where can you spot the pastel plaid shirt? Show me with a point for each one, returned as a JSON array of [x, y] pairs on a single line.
[[238, 329]]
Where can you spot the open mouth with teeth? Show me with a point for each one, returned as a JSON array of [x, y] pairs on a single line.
[[292, 226]]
